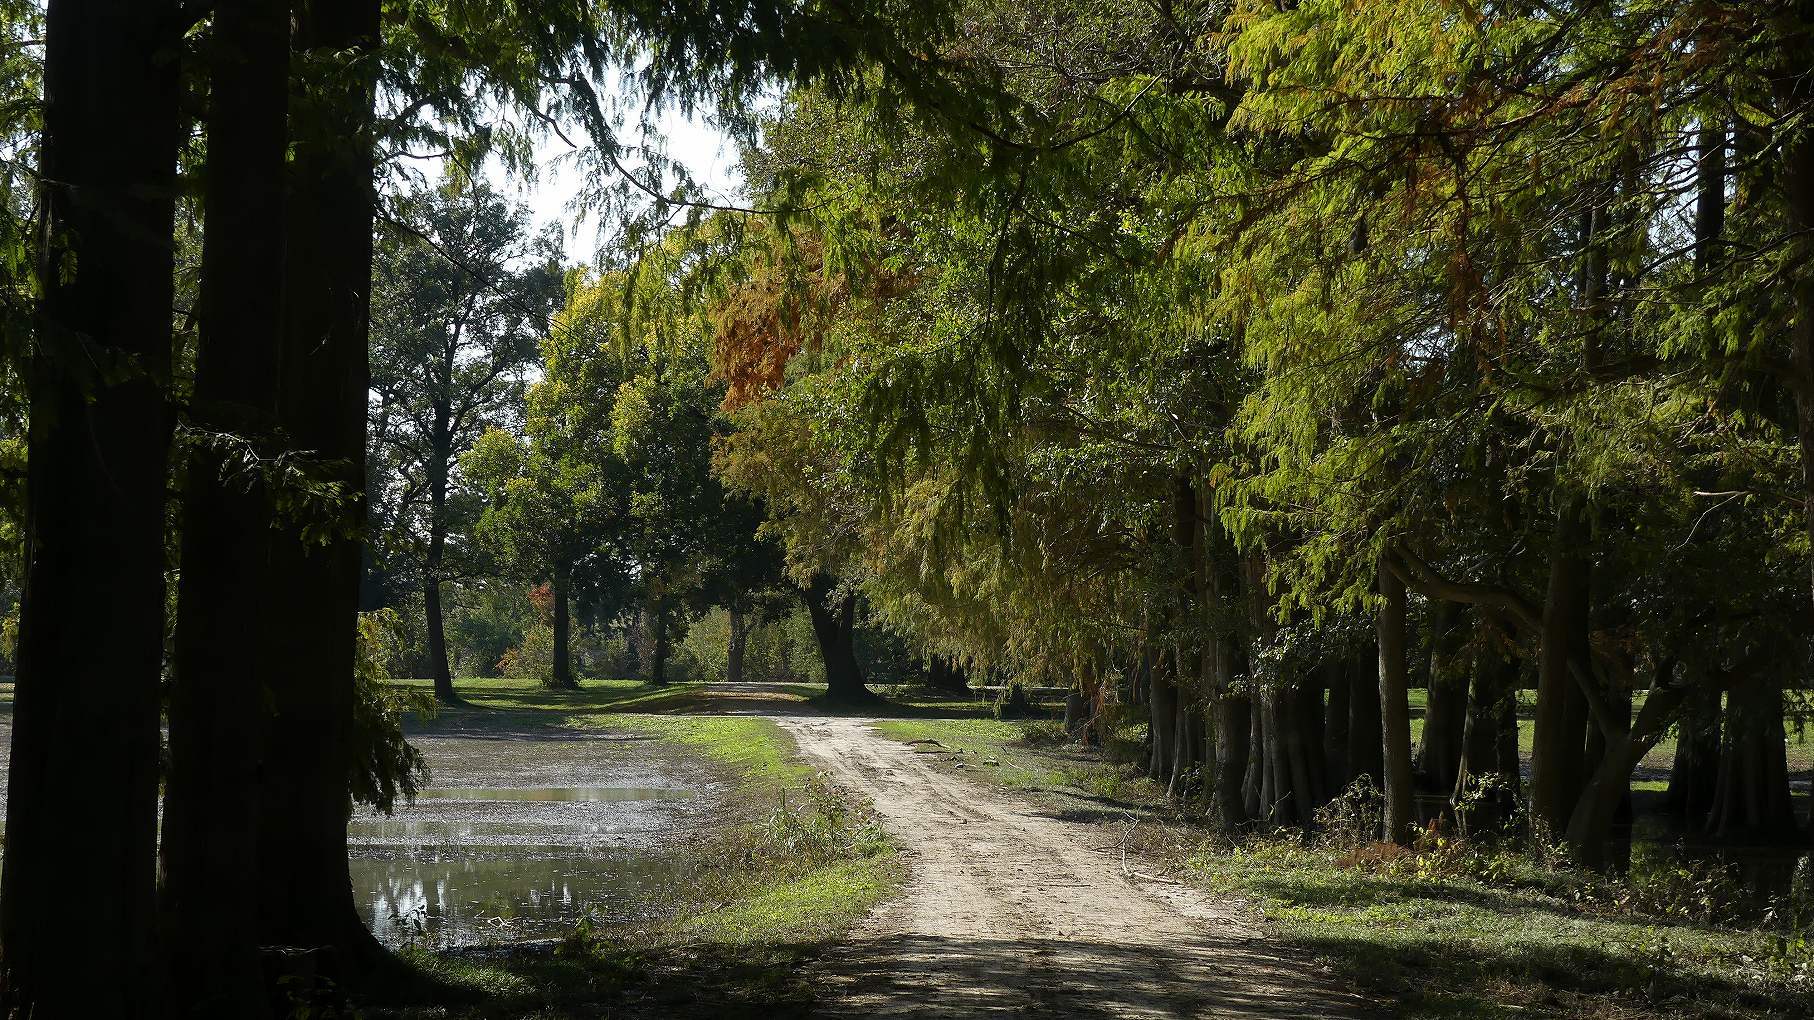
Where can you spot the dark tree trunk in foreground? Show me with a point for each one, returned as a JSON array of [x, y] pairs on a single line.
[[305, 897], [77, 910], [835, 627], [1798, 185], [1394, 708], [217, 703], [1558, 746], [739, 642], [563, 625]]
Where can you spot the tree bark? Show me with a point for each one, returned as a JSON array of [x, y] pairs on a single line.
[[658, 663], [1394, 709], [217, 700], [1335, 726], [1695, 771], [306, 897], [733, 652], [1446, 707], [442, 441], [1798, 185], [1561, 726], [835, 626], [1590, 824], [1366, 740], [1229, 709], [1162, 706], [81, 826], [1253, 783], [1751, 797], [563, 619], [1492, 710]]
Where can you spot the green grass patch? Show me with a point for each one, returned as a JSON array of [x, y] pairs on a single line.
[[1453, 931], [1024, 755]]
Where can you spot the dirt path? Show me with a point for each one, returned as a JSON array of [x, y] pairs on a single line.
[[1009, 913]]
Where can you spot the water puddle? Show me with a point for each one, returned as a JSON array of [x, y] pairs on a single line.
[[560, 793], [445, 898], [521, 838]]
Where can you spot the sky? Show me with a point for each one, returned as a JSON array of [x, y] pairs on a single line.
[[707, 153]]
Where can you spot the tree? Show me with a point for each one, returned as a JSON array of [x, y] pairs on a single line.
[[311, 653], [552, 507], [86, 711], [462, 289], [217, 698]]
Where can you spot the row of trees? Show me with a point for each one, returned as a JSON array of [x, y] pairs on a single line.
[[1254, 363]]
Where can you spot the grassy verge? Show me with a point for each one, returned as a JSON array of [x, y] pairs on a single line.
[[1446, 930], [755, 896]]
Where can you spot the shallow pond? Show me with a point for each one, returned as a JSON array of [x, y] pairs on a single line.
[[521, 833]]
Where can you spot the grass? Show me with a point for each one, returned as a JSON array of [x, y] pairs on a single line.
[[766, 889], [1027, 756], [1458, 931]]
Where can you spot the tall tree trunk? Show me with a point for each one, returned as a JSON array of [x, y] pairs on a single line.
[[1222, 661], [81, 825], [1253, 783], [437, 641], [1183, 742], [1492, 711], [1335, 725], [835, 626], [305, 896], [1561, 726], [1695, 771], [733, 652], [1590, 823], [563, 625], [1366, 734], [1798, 185], [1446, 706], [1162, 709], [217, 710], [442, 442], [658, 660], [1309, 715], [1751, 798], [1394, 709]]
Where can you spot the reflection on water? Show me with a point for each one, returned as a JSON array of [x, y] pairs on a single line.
[[460, 898], [550, 793], [521, 838]]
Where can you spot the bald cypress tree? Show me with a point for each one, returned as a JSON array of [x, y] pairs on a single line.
[[82, 790]]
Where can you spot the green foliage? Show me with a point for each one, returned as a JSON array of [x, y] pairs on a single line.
[[384, 763]]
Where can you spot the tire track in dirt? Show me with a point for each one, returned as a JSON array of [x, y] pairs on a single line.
[[1007, 913]]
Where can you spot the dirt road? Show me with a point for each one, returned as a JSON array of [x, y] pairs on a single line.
[[1010, 913]]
